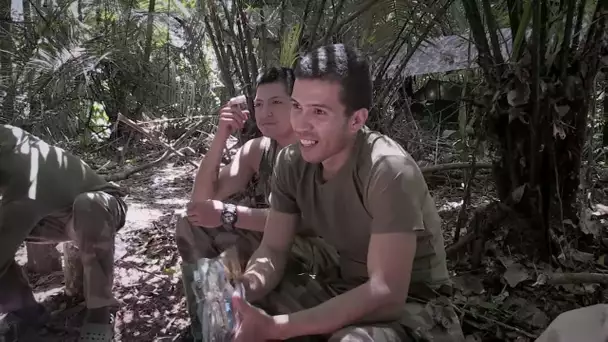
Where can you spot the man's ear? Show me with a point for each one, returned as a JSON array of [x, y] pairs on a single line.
[[358, 119]]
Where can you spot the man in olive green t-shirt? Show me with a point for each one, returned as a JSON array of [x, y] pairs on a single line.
[[47, 196], [367, 198]]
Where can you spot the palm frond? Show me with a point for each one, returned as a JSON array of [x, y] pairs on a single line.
[[289, 46]]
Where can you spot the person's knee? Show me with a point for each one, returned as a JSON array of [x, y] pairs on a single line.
[[184, 237], [91, 203], [365, 334], [94, 218], [183, 228], [351, 334]]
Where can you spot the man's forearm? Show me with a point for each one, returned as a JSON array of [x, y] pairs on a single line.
[[205, 183], [264, 272], [361, 304], [251, 218]]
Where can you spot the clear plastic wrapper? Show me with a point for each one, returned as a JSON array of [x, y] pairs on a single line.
[[215, 281]]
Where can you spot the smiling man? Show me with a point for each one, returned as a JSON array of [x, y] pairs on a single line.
[[367, 198], [211, 223]]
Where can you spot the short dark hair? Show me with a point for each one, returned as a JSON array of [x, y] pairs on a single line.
[[277, 74], [345, 65]]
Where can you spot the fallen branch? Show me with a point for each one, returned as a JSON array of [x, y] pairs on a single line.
[[464, 312], [133, 125], [462, 214], [483, 218], [493, 321], [126, 174], [572, 278], [463, 242], [454, 166]]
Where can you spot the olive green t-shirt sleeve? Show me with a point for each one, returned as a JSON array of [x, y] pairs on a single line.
[[282, 184], [395, 195]]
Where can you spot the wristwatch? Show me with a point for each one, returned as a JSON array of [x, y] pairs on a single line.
[[228, 215]]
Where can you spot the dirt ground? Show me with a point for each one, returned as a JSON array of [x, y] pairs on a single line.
[[499, 300]]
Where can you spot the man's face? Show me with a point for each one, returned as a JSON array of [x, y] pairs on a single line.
[[272, 110], [319, 120]]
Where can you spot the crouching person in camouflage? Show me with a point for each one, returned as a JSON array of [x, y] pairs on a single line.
[[210, 225], [368, 199], [50, 195]]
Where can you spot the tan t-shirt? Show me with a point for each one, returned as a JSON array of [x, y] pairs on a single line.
[[379, 190], [39, 179]]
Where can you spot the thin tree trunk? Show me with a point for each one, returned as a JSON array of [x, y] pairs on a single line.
[[249, 50], [282, 25], [330, 28], [221, 62], [262, 45], [6, 59], [315, 26], [303, 23], [605, 126]]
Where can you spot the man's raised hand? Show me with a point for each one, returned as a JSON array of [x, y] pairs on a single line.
[[232, 118]]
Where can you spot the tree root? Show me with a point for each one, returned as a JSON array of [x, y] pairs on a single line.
[[463, 242], [482, 219]]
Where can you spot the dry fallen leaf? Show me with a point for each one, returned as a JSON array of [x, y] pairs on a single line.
[[468, 284], [515, 274], [590, 226]]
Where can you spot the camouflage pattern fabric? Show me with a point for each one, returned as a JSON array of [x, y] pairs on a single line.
[[91, 222]]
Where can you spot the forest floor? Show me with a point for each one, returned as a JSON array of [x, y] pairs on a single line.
[[497, 290]]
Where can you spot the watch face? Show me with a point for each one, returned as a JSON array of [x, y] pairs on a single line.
[[229, 214], [228, 217]]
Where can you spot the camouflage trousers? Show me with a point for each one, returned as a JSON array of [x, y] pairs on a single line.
[[312, 277], [91, 222]]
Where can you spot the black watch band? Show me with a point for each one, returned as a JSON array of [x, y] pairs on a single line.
[[229, 216]]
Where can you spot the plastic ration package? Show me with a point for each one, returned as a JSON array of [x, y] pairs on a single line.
[[213, 290]]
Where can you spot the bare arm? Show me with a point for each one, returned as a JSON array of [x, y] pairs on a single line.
[[395, 202], [213, 183], [267, 264], [251, 218], [380, 298]]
